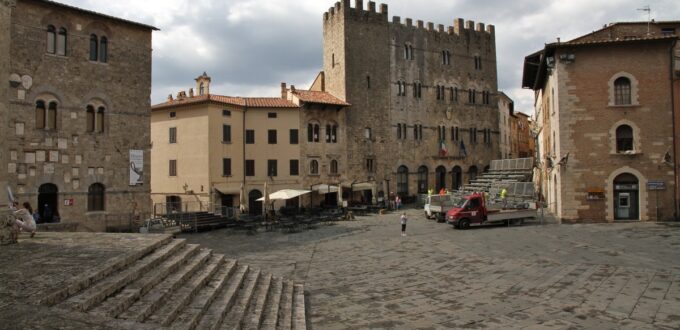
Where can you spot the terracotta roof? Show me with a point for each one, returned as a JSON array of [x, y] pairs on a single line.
[[613, 41], [98, 14], [319, 97], [252, 102]]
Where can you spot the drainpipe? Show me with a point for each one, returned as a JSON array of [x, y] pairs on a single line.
[[245, 110], [675, 149]]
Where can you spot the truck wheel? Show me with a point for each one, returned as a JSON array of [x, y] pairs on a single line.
[[464, 224]]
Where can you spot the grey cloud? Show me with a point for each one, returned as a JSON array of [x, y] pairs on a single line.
[[281, 41]]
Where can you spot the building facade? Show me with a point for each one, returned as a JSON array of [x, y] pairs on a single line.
[[521, 142], [605, 123], [423, 98], [506, 109], [75, 113]]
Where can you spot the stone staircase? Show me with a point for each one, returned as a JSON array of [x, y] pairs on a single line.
[[177, 285]]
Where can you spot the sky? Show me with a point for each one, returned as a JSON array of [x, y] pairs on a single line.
[[249, 47]]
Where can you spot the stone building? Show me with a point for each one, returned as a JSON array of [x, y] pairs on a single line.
[[521, 142], [423, 98], [206, 146], [605, 122], [506, 109], [75, 113]]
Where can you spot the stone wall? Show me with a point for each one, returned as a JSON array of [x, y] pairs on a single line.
[[70, 157], [587, 124], [5, 19]]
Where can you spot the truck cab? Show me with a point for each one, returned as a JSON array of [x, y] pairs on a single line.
[[473, 211]]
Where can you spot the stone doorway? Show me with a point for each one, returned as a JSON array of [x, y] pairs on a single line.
[[254, 206], [626, 197], [48, 203]]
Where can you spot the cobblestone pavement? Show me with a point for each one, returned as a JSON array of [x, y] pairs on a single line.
[[363, 274]]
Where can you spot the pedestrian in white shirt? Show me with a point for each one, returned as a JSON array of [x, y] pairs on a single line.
[[403, 224], [24, 217]]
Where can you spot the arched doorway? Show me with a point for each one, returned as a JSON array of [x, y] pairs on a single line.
[[472, 173], [402, 181], [457, 177], [173, 204], [440, 178], [626, 197], [254, 206], [422, 180], [48, 203]]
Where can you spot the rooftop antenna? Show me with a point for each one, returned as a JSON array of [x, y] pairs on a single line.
[[649, 16]]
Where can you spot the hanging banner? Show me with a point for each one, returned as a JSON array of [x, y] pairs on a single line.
[[136, 167]]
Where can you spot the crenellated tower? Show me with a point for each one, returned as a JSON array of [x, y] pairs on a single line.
[[413, 87]]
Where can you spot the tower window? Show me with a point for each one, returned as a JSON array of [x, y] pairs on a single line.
[[94, 47], [51, 39]]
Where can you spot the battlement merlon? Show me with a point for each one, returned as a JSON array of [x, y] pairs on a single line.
[[345, 9]]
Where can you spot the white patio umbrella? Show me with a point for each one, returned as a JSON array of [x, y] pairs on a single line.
[[242, 200], [284, 194], [340, 195]]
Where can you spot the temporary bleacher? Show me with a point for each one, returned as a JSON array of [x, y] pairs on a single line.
[[513, 175]]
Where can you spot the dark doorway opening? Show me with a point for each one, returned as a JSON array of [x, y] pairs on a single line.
[[457, 177], [626, 197], [48, 203], [440, 176], [254, 206]]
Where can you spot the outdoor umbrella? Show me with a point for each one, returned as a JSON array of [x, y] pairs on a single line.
[[284, 194], [339, 195], [266, 199], [242, 200]]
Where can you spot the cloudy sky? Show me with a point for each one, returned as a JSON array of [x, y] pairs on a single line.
[[249, 47]]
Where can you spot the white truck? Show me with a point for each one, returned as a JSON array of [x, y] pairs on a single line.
[[436, 206]]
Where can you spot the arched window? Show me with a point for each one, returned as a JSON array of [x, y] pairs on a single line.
[[94, 47], [622, 91], [201, 89], [95, 197], [90, 118], [100, 119], [334, 133], [61, 42], [472, 173], [51, 120], [440, 177], [328, 133], [422, 180], [316, 132], [624, 138], [402, 181], [104, 50], [334, 166], [40, 113], [314, 167], [310, 132], [457, 177], [51, 39]]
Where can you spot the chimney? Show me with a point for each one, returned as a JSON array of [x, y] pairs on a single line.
[[191, 92], [292, 88], [558, 40], [169, 97], [284, 91]]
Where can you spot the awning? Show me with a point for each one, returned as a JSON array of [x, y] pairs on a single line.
[[228, 188], [324, 188], [285, 194], [363, 186]]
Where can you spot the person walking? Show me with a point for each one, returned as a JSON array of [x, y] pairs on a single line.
[[24, 217], [397, 202], [403, 224]]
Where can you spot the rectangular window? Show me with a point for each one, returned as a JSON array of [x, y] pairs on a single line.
[[271, 115], [250, 167], [369, 165], [172, 167], [250, 136], [226, 113], [271, 136], [272, 169], [173, 114], [226, 133], [226, 166], [294, 167], [294, 136], [173, 135], [367, 133]]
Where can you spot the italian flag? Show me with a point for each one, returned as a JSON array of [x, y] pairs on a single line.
[[442, 149]]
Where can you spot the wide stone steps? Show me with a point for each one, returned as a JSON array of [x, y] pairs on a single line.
[[181, 286]]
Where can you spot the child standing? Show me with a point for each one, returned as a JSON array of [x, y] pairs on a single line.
[[403, 224]]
